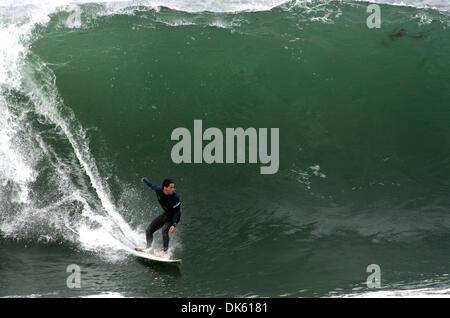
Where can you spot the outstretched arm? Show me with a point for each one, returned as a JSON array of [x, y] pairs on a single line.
[[154, 187]]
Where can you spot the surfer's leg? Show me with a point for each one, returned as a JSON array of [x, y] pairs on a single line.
[[154, 226], [165, 235]]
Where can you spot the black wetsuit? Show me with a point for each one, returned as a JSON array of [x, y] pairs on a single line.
[[172, 213]]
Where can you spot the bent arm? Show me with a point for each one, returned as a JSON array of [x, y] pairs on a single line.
[[177, 214]]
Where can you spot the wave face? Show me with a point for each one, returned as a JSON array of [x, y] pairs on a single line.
[[90, 92]]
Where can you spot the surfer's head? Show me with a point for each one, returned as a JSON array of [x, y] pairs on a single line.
[[168, 186]]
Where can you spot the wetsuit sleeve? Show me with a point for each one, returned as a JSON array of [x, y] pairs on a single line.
[[177, 213], [154, 187]]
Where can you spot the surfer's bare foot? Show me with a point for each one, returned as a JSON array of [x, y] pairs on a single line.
[[163, 255], [139, 249]]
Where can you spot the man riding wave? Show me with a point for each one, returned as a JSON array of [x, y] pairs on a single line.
[[171, 204]]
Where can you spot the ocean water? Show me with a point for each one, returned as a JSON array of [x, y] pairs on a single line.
[[91, 91]]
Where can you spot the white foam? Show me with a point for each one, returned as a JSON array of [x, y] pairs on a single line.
[[53, 294], [13, 165], [105, 295], [103, 227], [16, 156], [219, 6], [408, 293], [74, 19], [441, 5], [304, 176]]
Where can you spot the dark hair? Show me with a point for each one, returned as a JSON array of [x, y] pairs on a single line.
[[167, 182]]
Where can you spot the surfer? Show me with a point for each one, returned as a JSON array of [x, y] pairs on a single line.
[[170, 202]]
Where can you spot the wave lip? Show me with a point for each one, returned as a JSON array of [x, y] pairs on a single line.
[[189, 6]]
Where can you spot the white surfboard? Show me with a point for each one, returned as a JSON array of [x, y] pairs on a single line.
[[154, 257]]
